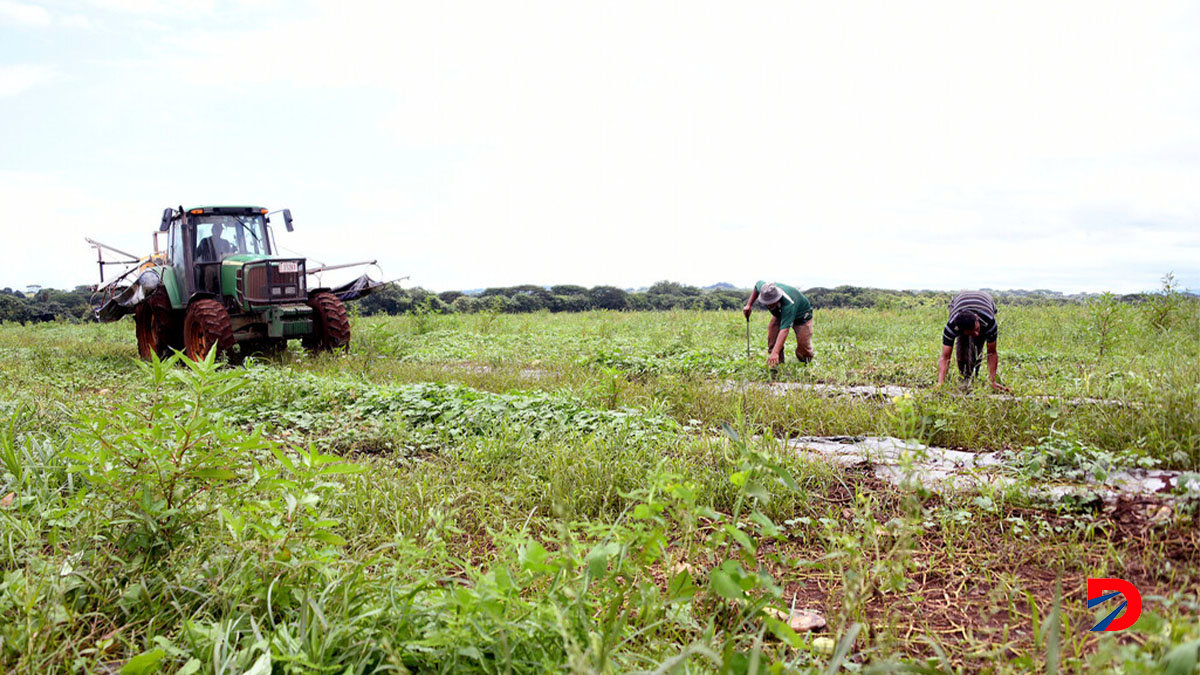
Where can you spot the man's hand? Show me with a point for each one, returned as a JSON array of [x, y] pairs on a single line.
[[773, 360], [944, 364], [746, 311], [999, 387]]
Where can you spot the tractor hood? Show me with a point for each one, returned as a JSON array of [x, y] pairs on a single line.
[[243, 258]]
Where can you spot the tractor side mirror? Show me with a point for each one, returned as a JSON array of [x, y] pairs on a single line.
[[168, 214], [287, 219]]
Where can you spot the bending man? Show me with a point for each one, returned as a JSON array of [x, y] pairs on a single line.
[[973, 325], [790, 310]]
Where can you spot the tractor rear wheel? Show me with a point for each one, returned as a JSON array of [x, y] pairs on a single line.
[[206, 326], [153, 322], [331, 325]]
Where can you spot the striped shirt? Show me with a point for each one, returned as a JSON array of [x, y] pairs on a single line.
[[979, 303]]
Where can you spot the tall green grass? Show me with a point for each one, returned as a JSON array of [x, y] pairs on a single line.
[[557, 493]]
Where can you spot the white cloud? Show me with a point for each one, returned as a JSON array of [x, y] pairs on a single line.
[[23, 14], [15, 79], [939, 144], [46, 219], [179, 7], [79, 21]]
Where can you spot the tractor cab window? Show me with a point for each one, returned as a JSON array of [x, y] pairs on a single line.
[[175, 246], [220, 236]]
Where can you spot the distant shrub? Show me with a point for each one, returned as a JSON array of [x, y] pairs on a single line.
[[1162, 310], [609, 297], [465, 304]]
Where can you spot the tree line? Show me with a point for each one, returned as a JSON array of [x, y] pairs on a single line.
[[664, 295], [49, 304]]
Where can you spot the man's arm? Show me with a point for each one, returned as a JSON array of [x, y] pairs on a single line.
[[750, 303], [773, 359], [993, 361], [944, 363]]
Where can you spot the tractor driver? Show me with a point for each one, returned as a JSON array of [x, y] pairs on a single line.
[[214, 247]]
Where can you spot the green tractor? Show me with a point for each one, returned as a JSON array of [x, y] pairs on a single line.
[[219, 283]]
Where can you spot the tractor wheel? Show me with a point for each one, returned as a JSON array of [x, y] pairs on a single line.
[[331, 326], [153, 321], [206, 326]]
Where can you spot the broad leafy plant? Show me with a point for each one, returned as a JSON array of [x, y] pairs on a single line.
[[159, 463]]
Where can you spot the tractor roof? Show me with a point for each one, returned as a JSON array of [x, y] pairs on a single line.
[[226, 210]]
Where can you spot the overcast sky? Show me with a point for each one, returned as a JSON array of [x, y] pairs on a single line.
[[904, 145]]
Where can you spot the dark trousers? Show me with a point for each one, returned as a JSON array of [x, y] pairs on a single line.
[[969, 351], [803, 333]]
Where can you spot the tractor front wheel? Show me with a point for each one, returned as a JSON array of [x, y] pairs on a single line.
[[152, 320], [331, 325], [206, 326]]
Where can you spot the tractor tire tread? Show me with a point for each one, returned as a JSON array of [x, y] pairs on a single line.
[[331, 324], [214, 324], [154, 323]]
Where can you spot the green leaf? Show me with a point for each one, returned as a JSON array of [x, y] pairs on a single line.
[[843, 648], [319, 459], [190, 668], [342, 468], [755, 489], [215, 474], [769, 528], [783, 631], [597, 559], [681, 586], [738, 478], [728, 431], [533, 558], [146, 662], [741, 538], [262, 666], [329, 538], [783, 475], [1182, 659], [283, 458], [724, 585]]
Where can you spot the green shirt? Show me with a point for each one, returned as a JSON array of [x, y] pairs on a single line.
[[794, 309]]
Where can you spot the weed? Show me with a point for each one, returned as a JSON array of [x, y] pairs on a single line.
[[1104, 315], [1063, 457], [1163, 308]]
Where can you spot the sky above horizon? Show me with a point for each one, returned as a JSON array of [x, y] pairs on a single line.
[[936, 145]]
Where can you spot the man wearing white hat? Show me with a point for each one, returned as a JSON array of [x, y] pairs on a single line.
[[790, 311]]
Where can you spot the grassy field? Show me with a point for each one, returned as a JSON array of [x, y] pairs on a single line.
[[586, 493]]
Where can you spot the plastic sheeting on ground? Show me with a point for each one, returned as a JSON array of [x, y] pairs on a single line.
[[904, 463]]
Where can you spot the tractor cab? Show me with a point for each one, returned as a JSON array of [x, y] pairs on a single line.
[[210, 247]]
